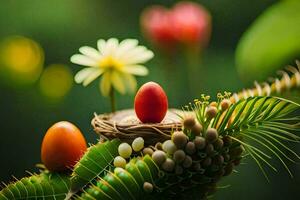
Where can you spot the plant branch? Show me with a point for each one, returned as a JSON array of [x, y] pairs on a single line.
[[112, 100]]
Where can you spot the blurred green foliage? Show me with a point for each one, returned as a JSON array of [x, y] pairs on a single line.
[[61, 27], [271, 42]]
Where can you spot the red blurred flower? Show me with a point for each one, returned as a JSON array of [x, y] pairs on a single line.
[[186, 23], [156, 24], [191, 23]]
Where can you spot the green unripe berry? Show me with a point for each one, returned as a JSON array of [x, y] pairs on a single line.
[[199, 142], [159, 157], [187, 162], [118, 170], [225, 103], [209, 149], [179, 139], [211, 112], [207, 162], [179, 156], [237, 151], [168, 165], [169, 147], [148, 187], [138, 144], [189, 121], [148, 151], [125, 150], [190, 148], [158, 146], [197, 129], [211, 135], [218, 160], [219, 144], [119, 162]]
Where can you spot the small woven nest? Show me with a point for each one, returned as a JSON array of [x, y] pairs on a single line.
[[126, 126]]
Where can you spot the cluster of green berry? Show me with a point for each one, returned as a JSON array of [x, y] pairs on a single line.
[[205, 156], [214, 151], [125, 151], [197, 155]]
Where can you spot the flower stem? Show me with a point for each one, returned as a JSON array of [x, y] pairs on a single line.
[[194, 69], [112, 100]]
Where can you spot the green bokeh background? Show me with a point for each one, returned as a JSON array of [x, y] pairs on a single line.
[[62, 26]]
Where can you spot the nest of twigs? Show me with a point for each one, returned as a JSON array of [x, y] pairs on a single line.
[[126, 126]]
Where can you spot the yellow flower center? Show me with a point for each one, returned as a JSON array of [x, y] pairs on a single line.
[[110, 63]]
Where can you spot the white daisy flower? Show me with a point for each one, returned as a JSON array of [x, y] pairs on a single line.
[[116, 61]]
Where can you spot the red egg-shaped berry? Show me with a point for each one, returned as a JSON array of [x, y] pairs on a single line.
[[63, 145], [151, 103]]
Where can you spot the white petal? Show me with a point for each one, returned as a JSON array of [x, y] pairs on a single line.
[[92, 77], [128, 43], [125, 46], [112, 42], [101, 45], [83, 60], [83, 74], [117, 82], [139, 70], [130, 82], [90, 52], [105, 84], [111, 47], [142, 58], [139, 54], [135, 51]]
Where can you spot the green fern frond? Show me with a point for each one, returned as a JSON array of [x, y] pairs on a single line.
[[38, 186], [264, 126], [125, 183], [289, 80], [94, 163]]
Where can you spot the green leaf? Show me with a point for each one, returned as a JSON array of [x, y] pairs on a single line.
[[265, 126], [125, 183], [94, 163], [271, 42], [38, 186]]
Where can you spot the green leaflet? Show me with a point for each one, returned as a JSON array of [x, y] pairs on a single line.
[[127, 183], [256, 110], [264, 126], [43, 186], [124, 183], [93, 164], [271, 42]]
